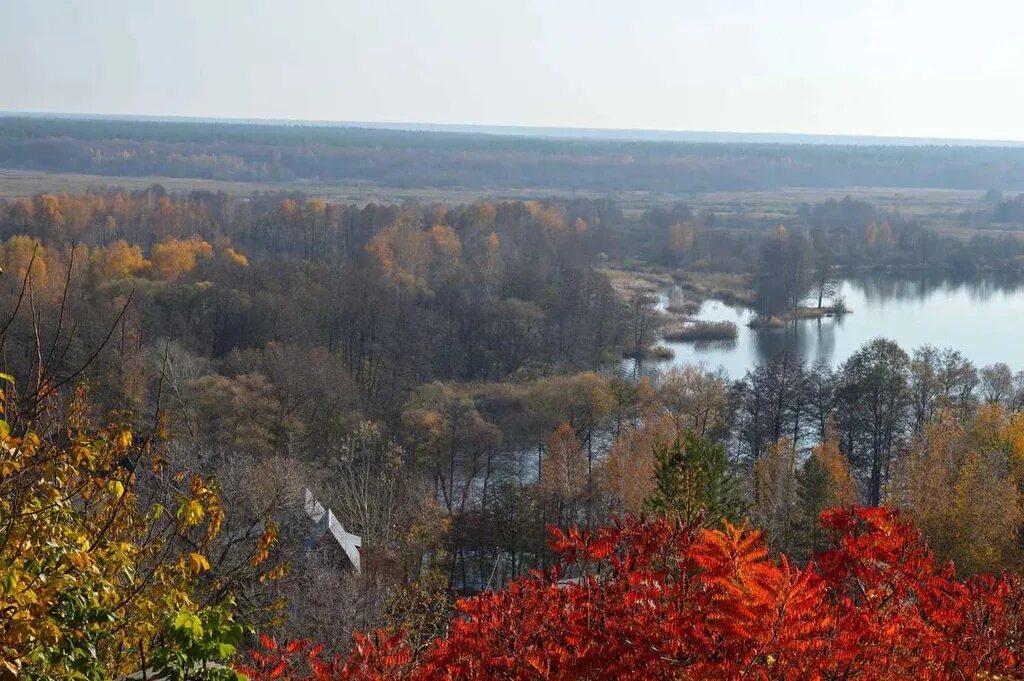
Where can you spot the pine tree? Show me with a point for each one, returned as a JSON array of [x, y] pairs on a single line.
[[693, 479], [813, 481], [822, 482]]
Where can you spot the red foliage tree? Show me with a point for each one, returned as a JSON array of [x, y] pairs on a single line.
[[290, 660], [660, 601]]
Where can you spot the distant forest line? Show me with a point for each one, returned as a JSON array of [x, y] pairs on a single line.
[[276, 153]]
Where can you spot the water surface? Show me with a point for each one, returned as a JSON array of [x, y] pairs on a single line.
[[982, 317]]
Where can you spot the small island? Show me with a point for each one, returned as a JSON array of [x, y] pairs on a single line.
[[702, 331], [776, 321]]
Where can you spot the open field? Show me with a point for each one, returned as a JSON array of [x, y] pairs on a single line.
[[917, 203], [779, 203], [935, 208], [17, 183]]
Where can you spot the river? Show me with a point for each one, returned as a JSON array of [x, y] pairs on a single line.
[[983, 317]]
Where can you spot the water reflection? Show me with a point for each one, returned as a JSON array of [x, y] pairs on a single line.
[[981, 316], [882, 288], [826, 340], [721, 344]]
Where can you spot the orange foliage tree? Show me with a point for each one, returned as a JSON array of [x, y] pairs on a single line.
[[660, 600]]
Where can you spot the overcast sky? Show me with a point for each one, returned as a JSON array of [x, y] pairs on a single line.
[[926, 68]]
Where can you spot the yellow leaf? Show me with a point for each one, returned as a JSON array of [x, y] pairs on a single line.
[[8, 468], [191, 512], [79, 559], [197, 563]]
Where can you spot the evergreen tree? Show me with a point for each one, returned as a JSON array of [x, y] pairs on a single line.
[[824, 481], [693, 479], [813, 482]]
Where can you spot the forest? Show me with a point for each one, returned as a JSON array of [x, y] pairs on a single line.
[[274, 153], [181, 370]]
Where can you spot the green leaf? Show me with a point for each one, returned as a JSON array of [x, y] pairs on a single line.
[[9, 582], [186, 621]]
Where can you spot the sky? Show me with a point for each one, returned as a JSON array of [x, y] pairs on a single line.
[[914, 68]]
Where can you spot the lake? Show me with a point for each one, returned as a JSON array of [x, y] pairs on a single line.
[[982, 317]]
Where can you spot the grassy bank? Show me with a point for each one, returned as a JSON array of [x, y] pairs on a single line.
[[703, 331], [729, 287], [626, 282]]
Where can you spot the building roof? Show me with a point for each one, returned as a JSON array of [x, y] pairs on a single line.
[[326, 523]]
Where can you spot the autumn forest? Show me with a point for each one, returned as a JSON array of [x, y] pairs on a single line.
[[188, 375]]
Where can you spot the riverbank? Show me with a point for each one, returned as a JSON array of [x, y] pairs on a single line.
[[729, 287], [696, 286], [627, 281]]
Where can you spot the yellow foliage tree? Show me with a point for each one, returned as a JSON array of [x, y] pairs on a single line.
[[871, 236], [775, 494], [446, 241], [119, 261], [563, 472], [51, 213], [20, 253], [842, 489], [174, 258], [482, 214], [958, 485], [96, 564], [550, 217], [235, 257], [626, 474]]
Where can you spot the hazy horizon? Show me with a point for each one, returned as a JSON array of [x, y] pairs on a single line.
[[910, 69], [565, 132]]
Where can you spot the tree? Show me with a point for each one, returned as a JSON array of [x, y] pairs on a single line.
[[871, 236], [924, 385], [626, 473], [775, 495], [693, 480], [236, 413], [997, 383], [174, 258], [785, 272], [644, 320], [452, 439], [873, 399], [824, 276], [25, 257], [681, 237], [563, 472], [582, 400], [772, 401], [659, 600], [696, 400], [118, 261], [824, 481], [959, 486], [103, 554]]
